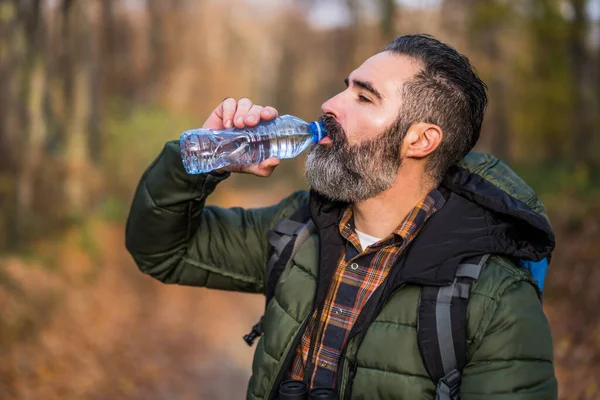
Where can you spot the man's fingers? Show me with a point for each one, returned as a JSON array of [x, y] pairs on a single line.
[[229, 107], [240, 113], [243, 106], [268, 113], [253, 116]]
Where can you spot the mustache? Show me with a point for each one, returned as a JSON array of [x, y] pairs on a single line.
[[334, 130]]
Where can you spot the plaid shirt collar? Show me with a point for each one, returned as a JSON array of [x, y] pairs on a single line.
[[405, 232]]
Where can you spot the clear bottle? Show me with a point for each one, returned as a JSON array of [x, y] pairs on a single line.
[[204, 150]]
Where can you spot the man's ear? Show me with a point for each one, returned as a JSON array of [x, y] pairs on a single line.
[[421, 140]]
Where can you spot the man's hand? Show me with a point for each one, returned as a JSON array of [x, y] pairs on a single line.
[[231, 113]]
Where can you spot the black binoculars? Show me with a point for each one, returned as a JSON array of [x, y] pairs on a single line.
[[298, 390]]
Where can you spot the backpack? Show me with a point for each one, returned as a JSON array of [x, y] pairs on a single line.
[[442, 310]]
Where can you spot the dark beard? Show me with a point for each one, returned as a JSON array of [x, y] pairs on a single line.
[[354, 173]]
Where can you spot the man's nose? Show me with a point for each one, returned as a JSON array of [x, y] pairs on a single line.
[[331, 107]]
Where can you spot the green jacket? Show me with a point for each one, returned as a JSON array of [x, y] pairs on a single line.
[[176, 239]]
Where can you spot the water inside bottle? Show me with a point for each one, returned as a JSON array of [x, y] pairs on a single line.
[[204, 150]]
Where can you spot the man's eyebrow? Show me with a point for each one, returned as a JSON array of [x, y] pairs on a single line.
[[364, 85]]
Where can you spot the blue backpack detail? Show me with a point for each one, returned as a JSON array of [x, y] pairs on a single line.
[[537, 270]]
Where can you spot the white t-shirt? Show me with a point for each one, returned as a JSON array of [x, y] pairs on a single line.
[[366, 240]]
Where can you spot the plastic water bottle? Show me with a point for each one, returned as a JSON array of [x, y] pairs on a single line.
[[204, 150]]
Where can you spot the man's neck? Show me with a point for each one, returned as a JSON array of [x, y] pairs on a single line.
[[381, 215]]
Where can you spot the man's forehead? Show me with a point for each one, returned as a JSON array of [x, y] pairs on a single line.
[[387, 71]]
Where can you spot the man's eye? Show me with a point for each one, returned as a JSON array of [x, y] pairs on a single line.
[[363, 99]]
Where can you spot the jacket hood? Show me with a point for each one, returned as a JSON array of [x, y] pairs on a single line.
[[488, 210], [517, 218]]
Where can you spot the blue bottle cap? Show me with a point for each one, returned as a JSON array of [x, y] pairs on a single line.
[[318, 131]]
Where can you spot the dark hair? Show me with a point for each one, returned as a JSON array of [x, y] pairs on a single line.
[[446, 92]]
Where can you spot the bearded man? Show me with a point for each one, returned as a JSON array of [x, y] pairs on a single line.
[[411, 283]]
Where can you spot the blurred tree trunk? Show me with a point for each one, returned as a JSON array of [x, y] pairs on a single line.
[[287, 73], [487, 22], [388, 19], [290, 61], [353, 32], [10, 123], [78, 95], [156, 11], [543, 94], [582, 67], [117, 55], [344, 49], [114, 50], [497, 116], [479, 25], [108, 38], [596, 132], [455, 16], [10, 32], [341, 51], [597, 75], [31, 154], [163, 36], [102, 67], [31, 128]]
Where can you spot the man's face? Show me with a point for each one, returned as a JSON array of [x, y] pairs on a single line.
[[362, 155]]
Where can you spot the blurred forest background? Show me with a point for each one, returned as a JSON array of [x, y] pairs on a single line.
[[91, 89]]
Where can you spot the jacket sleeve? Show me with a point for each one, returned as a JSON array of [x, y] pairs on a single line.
[[513, 361], [174, 238]]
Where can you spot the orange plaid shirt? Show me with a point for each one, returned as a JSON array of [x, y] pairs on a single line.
[[358, 273]]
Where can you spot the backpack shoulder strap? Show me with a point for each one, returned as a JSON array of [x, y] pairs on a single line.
[[442, 330], [285, 239]]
